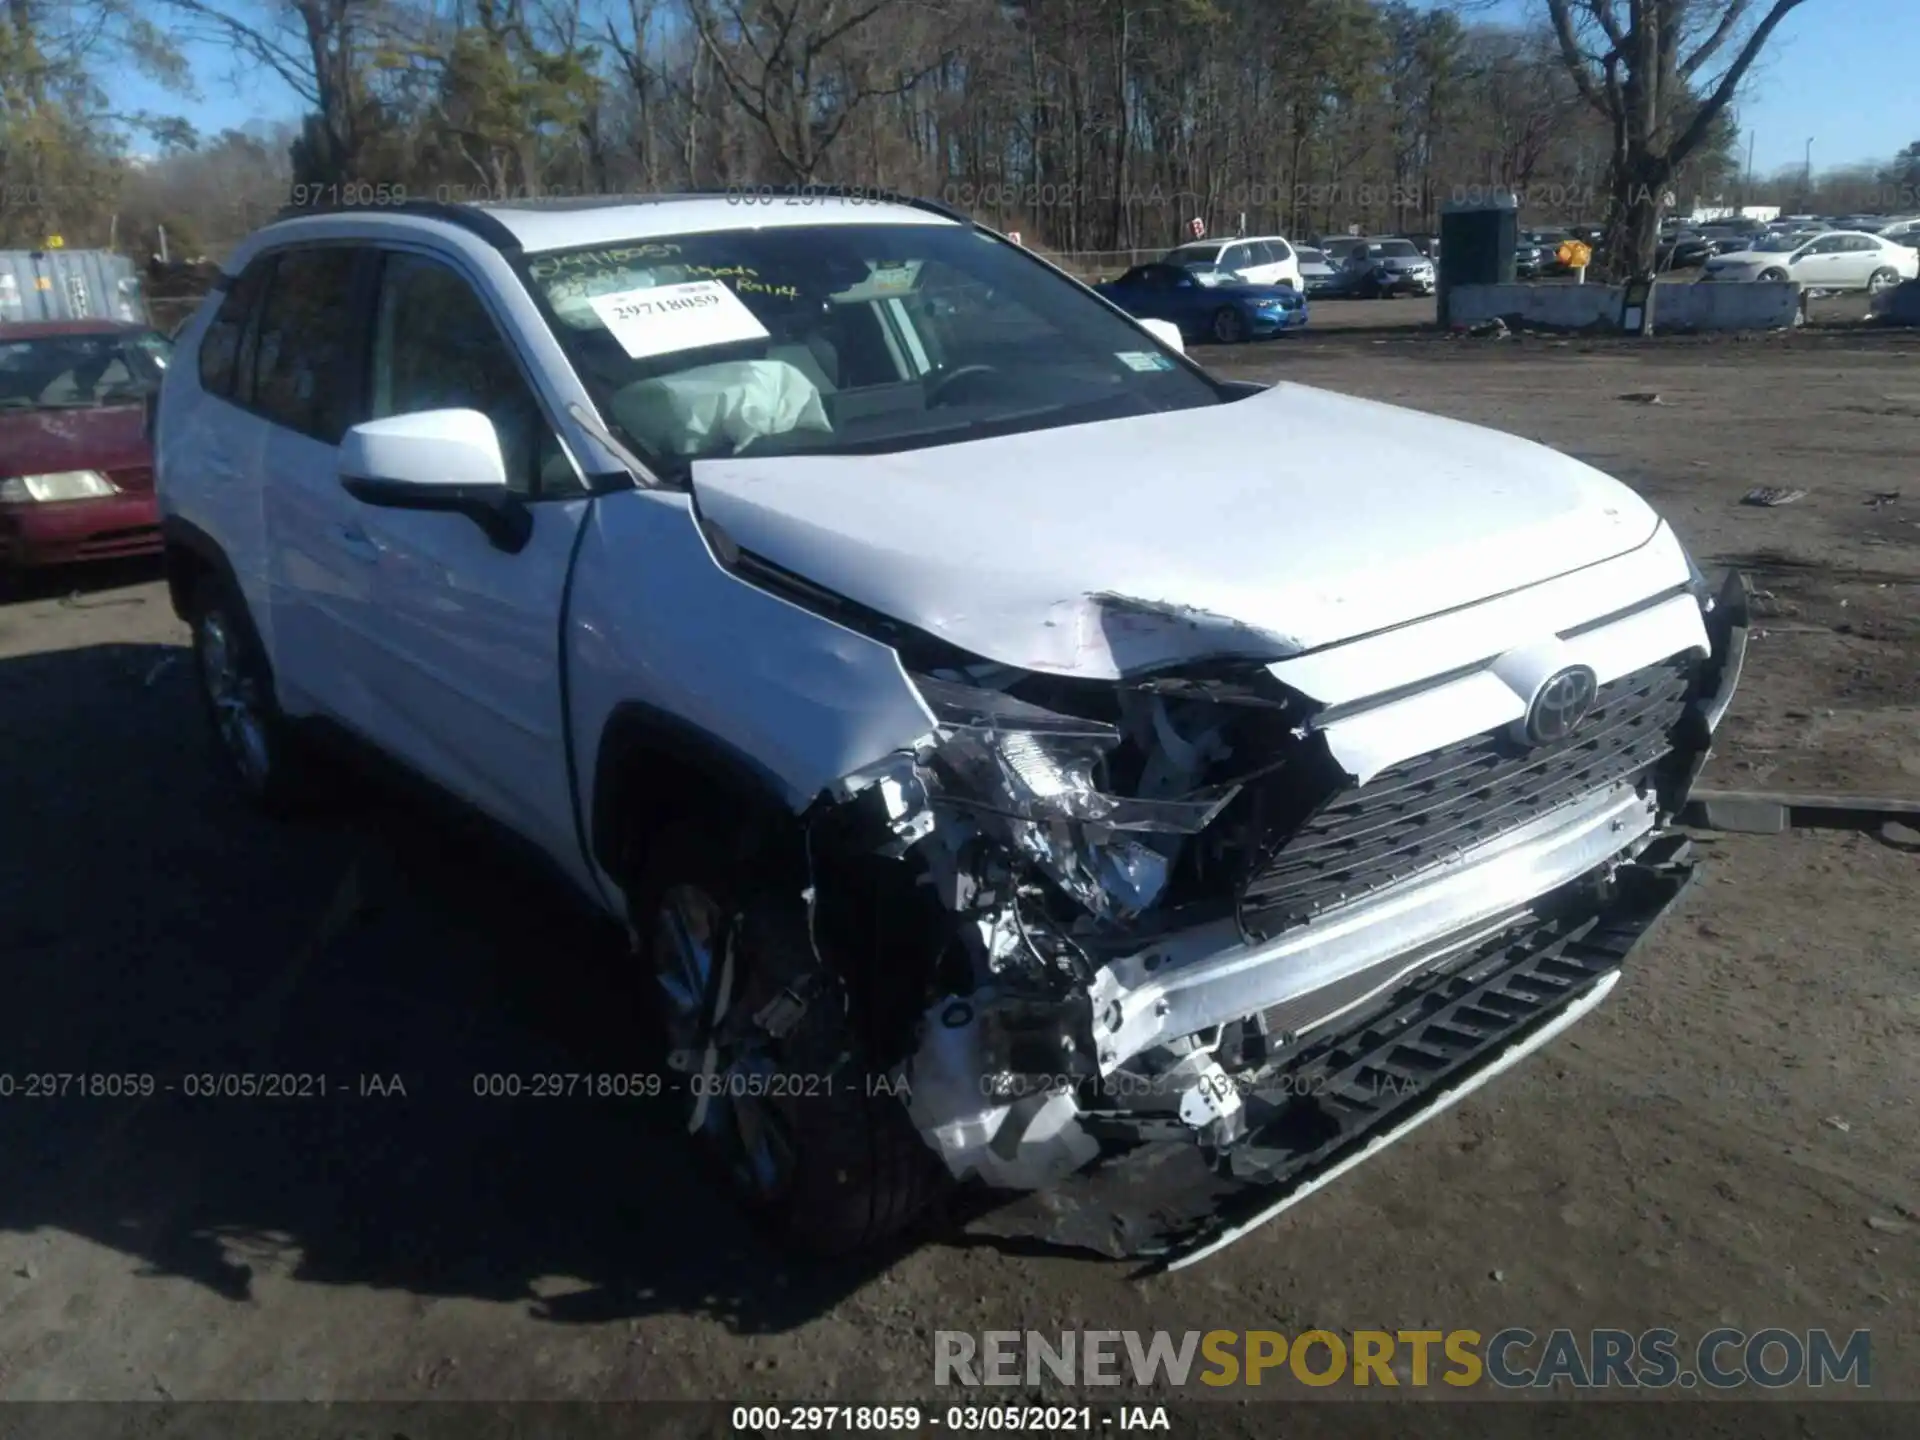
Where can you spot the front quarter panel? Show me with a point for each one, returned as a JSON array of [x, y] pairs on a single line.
[[656, 620]]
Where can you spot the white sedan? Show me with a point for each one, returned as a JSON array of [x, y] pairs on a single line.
[[1831, 260]]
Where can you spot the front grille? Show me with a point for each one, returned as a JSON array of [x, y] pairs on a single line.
[[1418, 813]]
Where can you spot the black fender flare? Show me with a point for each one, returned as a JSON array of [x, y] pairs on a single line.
[[188, 552], [652, 766]]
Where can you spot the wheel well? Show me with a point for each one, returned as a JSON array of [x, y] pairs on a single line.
[[189, 556], [654, 770], [185, 568], [887, 931]]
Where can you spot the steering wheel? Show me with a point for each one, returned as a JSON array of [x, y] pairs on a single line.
[[953, 377]]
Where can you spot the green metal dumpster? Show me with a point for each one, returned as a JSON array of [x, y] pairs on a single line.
[[1477, 241]]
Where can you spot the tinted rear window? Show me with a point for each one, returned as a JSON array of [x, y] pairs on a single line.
[[306, 329], [220, 346]]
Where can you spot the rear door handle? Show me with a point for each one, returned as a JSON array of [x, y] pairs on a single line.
[[356, 543]]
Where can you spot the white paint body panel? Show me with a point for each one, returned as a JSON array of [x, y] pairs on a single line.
[[1297, 517], [657, 622], [462, 670]]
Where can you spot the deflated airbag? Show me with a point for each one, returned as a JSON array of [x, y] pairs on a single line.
[[720, 407]]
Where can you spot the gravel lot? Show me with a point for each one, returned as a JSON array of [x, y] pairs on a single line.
[[1709, 1148]]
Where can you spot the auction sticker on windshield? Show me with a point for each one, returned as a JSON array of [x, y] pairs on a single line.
[[1143, 360], [666, 318]]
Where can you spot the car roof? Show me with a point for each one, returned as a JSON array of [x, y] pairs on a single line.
[[40, 329], [535, 226]]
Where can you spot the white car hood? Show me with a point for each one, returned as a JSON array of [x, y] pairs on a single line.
[[1292, 520]]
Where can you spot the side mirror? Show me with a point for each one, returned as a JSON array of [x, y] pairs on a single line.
[[446, 460], [1166, 332]]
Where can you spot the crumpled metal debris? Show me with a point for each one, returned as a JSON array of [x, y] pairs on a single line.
[[1771, 495], [1883, 497], [1644, 397]]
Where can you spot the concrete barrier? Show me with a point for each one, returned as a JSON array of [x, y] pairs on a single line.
[[1713, 305], [1727, 305], [1555, 307], [1900, 305]]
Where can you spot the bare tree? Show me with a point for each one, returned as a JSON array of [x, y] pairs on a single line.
[[319, 49], [1641, 65], [786, 63]]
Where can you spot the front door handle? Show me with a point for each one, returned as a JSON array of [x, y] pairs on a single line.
[[356, 543]]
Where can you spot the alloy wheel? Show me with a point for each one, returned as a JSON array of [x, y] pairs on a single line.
[[731, 1083], [238, 712]]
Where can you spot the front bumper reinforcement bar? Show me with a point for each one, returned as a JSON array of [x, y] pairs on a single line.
[[1353, 1093]]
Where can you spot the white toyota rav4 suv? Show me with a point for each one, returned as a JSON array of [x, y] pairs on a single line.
[[1014, 758]]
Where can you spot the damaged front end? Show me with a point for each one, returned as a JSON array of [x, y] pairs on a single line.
[[1195, 966]]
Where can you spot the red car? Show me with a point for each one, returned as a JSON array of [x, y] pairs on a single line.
[[76, 467]]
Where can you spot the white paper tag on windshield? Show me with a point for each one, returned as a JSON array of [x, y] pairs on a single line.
[[666, 318]]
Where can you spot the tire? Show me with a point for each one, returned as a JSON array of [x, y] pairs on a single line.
[[832, 1167], [257, 748], [1884, 278], [1229, 327], [1773, 274]]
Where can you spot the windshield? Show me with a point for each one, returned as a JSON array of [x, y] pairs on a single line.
[[1776, 244], [81, 372], [1395, 250], [842, 339], [1310, 257], [1192, 254]]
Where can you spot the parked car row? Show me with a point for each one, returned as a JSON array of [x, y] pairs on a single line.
[[1692, 246], [1822, 260], [1254, 287]]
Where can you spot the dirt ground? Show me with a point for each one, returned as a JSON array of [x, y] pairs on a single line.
[[1709, 1148]]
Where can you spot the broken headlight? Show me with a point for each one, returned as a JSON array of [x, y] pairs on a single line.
[[1034, 778]]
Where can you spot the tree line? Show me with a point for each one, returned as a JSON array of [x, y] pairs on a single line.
[[1087, 125]]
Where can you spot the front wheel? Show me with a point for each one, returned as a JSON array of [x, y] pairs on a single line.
[[256, 746], [1229, 326], [763, 1042], [1773, 274]]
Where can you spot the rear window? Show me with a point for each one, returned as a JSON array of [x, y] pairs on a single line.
[[220, 346], [305, 331], [1192, 254]]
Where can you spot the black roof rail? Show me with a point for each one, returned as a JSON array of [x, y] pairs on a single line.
[[466, 217], [477, 217], [744, 194]]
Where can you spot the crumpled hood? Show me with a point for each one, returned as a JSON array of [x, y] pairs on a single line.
[[1294, 519]]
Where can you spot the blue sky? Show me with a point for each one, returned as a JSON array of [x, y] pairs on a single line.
[[1835, 72]]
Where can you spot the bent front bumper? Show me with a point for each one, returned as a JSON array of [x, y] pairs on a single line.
[[1378, 1017], [1356, 1091]]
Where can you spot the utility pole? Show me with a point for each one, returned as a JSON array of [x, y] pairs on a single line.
[[1806, 181], [1746, 197]]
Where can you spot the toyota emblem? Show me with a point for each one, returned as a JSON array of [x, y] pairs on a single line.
[[1563, 702]]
